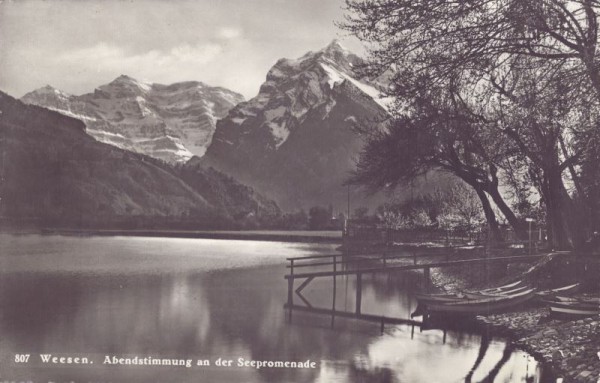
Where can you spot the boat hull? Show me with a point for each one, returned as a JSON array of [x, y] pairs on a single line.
[[439, 298], [482, 306], [574, 309], [509, 286], [553, 293], [484, 294]]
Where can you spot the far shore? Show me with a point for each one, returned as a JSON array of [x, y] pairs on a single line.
[[303, 236]]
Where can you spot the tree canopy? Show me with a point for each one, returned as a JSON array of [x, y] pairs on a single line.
[[501, 93]]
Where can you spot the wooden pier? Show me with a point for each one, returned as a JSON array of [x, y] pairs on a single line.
[[384, 267]]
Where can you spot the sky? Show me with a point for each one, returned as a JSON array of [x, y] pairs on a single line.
[[78, 45]]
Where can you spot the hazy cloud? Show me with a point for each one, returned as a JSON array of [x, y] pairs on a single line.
[[229, 33], [110, 57]]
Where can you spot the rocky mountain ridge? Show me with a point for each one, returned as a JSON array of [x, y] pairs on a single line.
[[295, 139], [169, 122]]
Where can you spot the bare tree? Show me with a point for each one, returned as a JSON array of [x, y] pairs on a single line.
[[438, 132], [526, 71], [448, 37]]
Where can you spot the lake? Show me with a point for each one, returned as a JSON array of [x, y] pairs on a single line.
[[201, 300]]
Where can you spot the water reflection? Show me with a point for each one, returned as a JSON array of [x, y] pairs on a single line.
[[210, 299]]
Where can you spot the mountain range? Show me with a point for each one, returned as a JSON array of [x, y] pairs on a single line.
[[169, 122], [295, 140], [54, 173]]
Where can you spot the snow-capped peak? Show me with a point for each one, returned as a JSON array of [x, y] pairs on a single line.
[[336, 77], [337, 63], [49, 90], [171, 122], [335, 47], [124, 80], [297, 88]]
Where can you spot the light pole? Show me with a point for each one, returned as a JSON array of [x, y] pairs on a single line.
[[530, 220]]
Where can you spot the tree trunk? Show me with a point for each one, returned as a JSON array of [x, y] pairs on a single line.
[[564, 230], [555, 225], [490, 216], [517, 224], [472, 180]]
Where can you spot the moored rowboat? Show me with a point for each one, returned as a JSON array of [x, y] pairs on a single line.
[[574, 309], [589, 300], [561, 290], [433, 298], [483, 305], [483, 294], [509, 286], [505, 290]]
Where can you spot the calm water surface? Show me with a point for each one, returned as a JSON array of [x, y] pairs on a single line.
[[202, 299]]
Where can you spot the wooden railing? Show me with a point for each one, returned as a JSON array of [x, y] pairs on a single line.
[[361, 232], [375, 257]]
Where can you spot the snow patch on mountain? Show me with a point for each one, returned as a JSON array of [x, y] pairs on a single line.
[[92, 132], [69, 113], [280, 133], [336, 77]]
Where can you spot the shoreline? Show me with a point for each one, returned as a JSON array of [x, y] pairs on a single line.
[[297, 236], [569, 349]]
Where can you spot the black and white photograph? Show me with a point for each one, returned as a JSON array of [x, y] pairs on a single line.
[[299, 191]]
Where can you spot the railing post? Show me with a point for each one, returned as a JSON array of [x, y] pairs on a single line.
[[290, 291], [292, 266], [358, 292], [333, 300]]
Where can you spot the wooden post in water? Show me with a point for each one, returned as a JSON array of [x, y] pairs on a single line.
[[427, 277], [290, 297], [334, 295], [358, 292]]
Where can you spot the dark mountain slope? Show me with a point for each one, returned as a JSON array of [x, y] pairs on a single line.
[[56, 174]]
